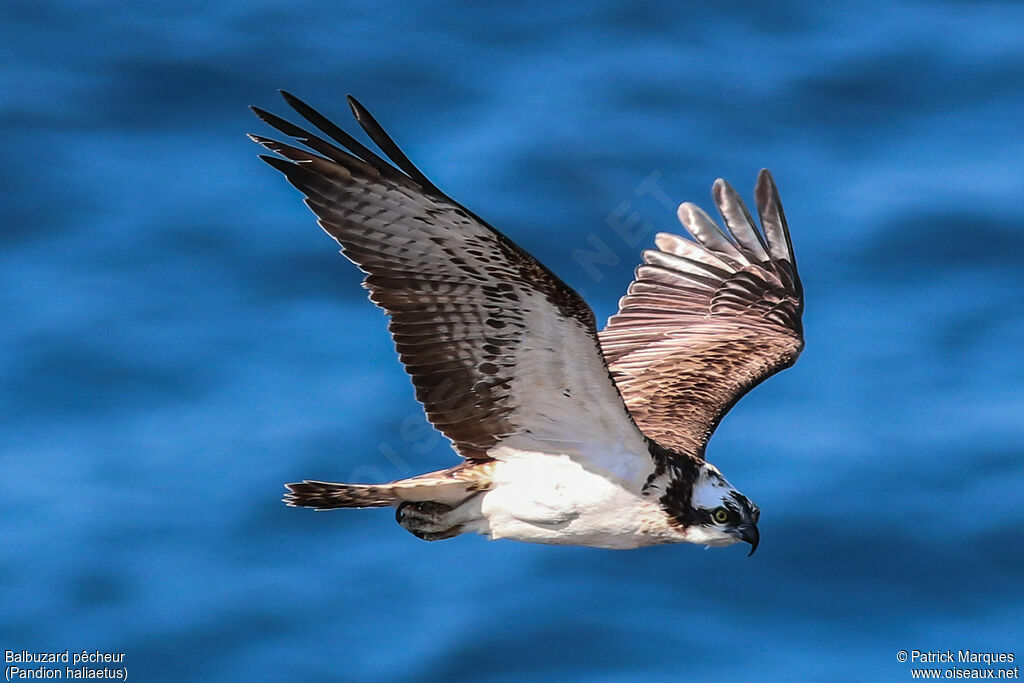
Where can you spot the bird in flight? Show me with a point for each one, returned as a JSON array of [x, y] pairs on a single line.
[[567, 435]]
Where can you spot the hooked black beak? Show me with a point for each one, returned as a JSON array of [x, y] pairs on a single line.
[[751, 535]]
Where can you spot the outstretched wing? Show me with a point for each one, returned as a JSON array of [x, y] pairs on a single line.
[[501, 351], [707, 320]]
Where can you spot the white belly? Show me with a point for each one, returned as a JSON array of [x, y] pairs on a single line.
[[542, 498]]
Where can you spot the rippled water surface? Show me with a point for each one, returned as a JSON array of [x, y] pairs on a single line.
[[179, 338]]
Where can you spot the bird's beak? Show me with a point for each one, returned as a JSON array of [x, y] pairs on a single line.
[[751, 535]]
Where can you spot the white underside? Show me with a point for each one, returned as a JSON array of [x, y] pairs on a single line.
[[554, 498], [574, 471]]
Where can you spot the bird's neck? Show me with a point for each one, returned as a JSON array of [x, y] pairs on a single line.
[[672, 482]]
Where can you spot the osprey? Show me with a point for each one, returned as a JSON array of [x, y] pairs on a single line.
[[568, 435]]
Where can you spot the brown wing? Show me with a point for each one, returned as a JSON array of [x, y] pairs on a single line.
[[497, 346], [705, 321]]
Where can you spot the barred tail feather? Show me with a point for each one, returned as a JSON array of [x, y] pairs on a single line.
[[325, 495]]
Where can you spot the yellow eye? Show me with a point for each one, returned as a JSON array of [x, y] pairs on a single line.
[[720, 515]]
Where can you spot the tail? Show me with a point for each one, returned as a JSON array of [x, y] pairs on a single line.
[[449, 486], [325, 495]]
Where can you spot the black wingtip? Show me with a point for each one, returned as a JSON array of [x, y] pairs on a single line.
[[301, 106], [280, 164], [337, 133], [372, 127], [275, 121], [283, 125], [358, 110], [294, 102], [261, 114]]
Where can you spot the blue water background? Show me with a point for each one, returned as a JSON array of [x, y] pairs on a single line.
[[178, 338]]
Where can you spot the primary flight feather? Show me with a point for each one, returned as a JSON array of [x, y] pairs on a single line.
[[568, 436]]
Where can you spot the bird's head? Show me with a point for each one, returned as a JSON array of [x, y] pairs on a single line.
[[717, 513]]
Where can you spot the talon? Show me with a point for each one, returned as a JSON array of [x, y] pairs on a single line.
[[398, 511], [427, 520]]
